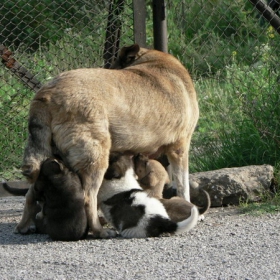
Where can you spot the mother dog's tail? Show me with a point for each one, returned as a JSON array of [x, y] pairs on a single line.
[[188, 223], [15, 191]]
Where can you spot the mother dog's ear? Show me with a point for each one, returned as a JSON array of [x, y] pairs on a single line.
[[51, 167], [126, 56]]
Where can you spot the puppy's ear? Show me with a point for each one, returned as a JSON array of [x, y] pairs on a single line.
[[51, 167], [126, 56]]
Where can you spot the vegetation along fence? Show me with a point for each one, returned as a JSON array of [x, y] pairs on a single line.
[[231, 49]]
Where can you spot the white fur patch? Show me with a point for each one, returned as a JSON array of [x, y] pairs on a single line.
[[111, 187], [152, 205], [186, 185], [190, 222]]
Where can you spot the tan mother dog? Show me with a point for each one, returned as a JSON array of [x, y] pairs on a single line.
[[148, 107]]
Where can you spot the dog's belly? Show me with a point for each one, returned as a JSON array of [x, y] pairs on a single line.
[[132, 134], [136, 143]]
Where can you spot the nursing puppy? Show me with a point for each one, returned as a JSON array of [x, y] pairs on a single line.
[[59, 193], [132, 212], [63, 215], [153, 177], [147, 105]]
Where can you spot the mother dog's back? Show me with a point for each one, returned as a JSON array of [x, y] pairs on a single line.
[[146, 100]]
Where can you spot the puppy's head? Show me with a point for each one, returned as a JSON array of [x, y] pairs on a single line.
[[52, 173], [119, 163], [141, 164]]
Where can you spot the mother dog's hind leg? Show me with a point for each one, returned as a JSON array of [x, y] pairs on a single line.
[[178, 156], [38, 148]]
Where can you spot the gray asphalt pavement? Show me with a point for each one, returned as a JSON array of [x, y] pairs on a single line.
[[227, 245]]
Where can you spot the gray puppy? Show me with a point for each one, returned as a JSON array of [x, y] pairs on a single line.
[[63, 210], [61, 197]]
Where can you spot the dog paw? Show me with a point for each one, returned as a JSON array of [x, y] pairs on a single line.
[[39, 216], [21, 230], [201, 218], [32, 229], [108, 233]]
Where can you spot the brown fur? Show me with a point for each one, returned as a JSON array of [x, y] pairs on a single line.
[[146, 107], [132, 211], [179, 209], [152, 176]]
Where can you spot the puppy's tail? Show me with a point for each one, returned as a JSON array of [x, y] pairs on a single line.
[[202, 210], [15, 191], [189, 223]]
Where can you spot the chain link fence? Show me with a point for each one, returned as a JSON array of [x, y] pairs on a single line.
[[47, 37], [228, 47], [232, 52]]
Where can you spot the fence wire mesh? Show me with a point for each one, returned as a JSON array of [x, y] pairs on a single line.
[[46, 38], [232, 52], [228, 47]]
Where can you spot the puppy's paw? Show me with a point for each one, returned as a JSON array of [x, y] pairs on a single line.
[[32, 229], [108, 233], [39, 216], [201, 218]]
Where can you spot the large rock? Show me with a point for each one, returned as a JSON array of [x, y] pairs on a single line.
[[229, 186]]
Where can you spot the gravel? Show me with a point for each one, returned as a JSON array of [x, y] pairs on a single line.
[[227, 245]]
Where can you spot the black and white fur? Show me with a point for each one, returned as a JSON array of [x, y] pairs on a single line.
[[132, 212]]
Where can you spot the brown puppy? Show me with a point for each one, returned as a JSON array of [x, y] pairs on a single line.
[[152, 176], [148, 106]]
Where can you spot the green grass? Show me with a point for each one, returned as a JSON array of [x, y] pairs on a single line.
[[239, 116], [270, 204]]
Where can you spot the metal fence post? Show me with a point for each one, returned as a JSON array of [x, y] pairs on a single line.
[[267, 13], [113, 32], [139, 22], [160, 26]]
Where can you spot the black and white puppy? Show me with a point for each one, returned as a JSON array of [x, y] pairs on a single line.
[[132, 212]]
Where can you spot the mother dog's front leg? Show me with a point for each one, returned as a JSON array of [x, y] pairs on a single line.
[[178, 156], [92, 179]]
